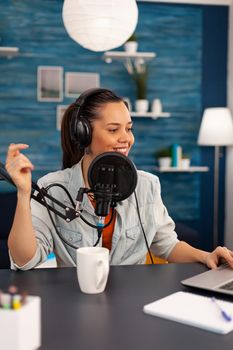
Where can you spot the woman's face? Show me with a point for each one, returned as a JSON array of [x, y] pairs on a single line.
[[112, 131]]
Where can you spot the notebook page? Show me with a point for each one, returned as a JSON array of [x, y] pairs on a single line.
[[192, 309]]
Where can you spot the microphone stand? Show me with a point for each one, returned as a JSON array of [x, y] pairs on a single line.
[[69, 213], [104, 178]]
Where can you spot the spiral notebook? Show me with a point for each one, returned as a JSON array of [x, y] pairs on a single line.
[[194, 310]]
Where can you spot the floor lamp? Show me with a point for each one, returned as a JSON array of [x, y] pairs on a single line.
[[216, 130]]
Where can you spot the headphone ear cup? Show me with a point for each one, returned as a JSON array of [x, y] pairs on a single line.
[[82, 132]]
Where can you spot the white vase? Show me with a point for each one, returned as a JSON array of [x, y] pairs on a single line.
[[131, 46], [142, 106], [185, 163], [165, 162], [156, 106]]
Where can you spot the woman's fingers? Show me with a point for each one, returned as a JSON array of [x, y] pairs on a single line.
[[220, 253], [15, 148], [226, 254], [19, 167], [19, 163]]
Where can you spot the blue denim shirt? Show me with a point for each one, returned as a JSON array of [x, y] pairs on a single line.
[[128, 243]]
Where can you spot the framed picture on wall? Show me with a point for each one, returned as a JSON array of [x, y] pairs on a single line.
[[60, 112], [49, 83], [78, 82]]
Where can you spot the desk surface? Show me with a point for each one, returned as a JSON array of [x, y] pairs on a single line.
[[114, 319]]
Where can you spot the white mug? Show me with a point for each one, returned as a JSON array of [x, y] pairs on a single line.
[[92, 269]]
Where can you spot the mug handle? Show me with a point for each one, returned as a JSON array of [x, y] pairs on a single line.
[[103, 269]]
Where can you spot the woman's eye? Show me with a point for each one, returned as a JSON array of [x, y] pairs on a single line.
[[112, 130], [130, 129]]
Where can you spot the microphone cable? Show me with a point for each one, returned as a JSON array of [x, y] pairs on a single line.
[[144, 235], [99, 230], [53, 223]]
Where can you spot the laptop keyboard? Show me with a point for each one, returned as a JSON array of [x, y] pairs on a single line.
[[227, 286]]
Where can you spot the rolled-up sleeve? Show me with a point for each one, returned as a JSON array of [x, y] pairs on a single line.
[[42, 229]]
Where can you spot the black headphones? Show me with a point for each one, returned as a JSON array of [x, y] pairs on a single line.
[[80, 127]]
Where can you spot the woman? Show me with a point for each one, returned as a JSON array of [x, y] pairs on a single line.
[[99, 121]]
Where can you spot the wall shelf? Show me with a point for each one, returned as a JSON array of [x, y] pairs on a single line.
[[134, 62], [8, 51], [191, 169], [150, 115], [109, 56]]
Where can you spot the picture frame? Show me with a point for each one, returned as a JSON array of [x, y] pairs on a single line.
[[60, 113], [49, 83], [78, 82]]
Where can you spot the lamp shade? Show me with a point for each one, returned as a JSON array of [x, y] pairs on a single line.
[[100, 25], [216, 128]]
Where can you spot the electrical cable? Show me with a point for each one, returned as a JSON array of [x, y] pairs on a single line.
[[63, 187], [53, 223], [139, 217], [99, 229]]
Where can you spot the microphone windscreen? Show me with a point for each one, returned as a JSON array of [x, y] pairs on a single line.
[[114, 171]]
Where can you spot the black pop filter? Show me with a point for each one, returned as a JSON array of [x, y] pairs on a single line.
[[113, 173]]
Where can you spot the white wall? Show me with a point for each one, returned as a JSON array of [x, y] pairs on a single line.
[[229, 161]]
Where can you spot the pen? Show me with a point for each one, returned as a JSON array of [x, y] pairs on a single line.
[[225, 315]]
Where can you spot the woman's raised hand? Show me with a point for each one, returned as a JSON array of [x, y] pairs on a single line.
[[19, 167]]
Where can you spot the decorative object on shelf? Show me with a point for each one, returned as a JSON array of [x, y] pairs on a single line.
[[132, 62], [139, 73], [164, 157], [176, 155], [216, 130], [49, 83], [131, 44], [100, 25], [156, 106], [185, 162]]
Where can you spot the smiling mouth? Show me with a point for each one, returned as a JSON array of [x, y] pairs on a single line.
[[121, 150]]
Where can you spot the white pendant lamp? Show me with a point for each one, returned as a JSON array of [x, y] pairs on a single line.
[[100, 25]]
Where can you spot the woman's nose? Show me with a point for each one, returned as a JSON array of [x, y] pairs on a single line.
[[124, 136]]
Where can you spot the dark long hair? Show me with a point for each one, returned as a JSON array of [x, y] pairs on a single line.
[[71, 154]]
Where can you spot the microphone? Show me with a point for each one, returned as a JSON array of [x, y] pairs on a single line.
[[112, 177]]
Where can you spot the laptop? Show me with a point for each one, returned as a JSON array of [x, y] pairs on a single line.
[[219, 280]]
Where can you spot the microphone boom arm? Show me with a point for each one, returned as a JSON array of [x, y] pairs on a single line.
[[69, 213]]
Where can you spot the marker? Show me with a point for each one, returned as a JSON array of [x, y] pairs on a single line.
[[6, 301], [225, 315], [16, 302]]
